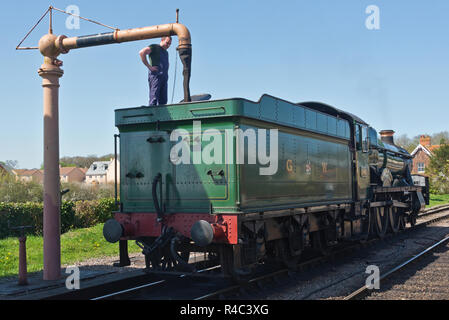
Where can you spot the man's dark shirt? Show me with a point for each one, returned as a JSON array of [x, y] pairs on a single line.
[[159, 57]]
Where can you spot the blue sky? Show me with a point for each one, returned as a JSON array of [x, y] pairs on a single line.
[[393, 78]]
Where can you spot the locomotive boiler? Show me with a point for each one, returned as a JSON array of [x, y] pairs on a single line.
[[236, 183]]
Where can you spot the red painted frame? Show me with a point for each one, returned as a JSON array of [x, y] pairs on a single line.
[[146, 225]]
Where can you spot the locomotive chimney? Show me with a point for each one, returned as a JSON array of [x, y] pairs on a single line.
[[387, 136]]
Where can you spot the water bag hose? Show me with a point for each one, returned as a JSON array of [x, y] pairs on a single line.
[[156, 180]]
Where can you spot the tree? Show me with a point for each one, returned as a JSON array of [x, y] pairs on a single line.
[[405, 142], [438, 170], [410, 144], [63, 164], [440, 137], [83, 162]]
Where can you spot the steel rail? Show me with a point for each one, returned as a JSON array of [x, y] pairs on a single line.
[[324, 258], [361, 292], [129, 290], [433, 210], [237, 286], [151, 284]]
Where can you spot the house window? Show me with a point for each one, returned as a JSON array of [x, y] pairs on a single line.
[[421, 167]]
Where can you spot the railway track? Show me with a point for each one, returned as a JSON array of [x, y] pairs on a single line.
[[256, 280], [206, 284], [164, 286], [433, 210], [364, 291]]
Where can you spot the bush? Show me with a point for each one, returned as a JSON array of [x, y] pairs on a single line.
[[104, 209], [20, 214], [12, 190], [79, 214], [67, 216], [19, 191], [82, 191]]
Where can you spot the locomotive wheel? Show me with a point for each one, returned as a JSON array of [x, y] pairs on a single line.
[[381, 221], [162, 260], [396, 218]]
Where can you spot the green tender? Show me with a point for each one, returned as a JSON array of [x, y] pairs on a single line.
[[314, 161]]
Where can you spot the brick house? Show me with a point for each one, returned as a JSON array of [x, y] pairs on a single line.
[[67, 174], [26, 175], [422, 154], [72, 174]]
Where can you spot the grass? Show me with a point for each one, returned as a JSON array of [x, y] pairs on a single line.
[[438, 199], [76, 245]]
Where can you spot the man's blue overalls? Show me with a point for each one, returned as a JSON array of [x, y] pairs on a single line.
[[158, 80]]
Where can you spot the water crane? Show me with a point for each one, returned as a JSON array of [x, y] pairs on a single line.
[[51, 46]]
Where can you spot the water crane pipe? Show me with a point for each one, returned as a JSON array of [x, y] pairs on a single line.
[[51, 46]]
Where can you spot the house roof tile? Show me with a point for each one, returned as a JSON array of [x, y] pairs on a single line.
[[66, 170], [433, 148], [98, 168], [26, 172]]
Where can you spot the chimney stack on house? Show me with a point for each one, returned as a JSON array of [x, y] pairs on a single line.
[[425, 141]]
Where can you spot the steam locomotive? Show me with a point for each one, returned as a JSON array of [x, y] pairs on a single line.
[[199, 187]]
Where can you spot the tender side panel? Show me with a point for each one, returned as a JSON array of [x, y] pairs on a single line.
[[311, 169]]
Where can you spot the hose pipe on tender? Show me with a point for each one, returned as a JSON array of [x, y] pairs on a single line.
[[156, 180], [175, 255], [185, 54]]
